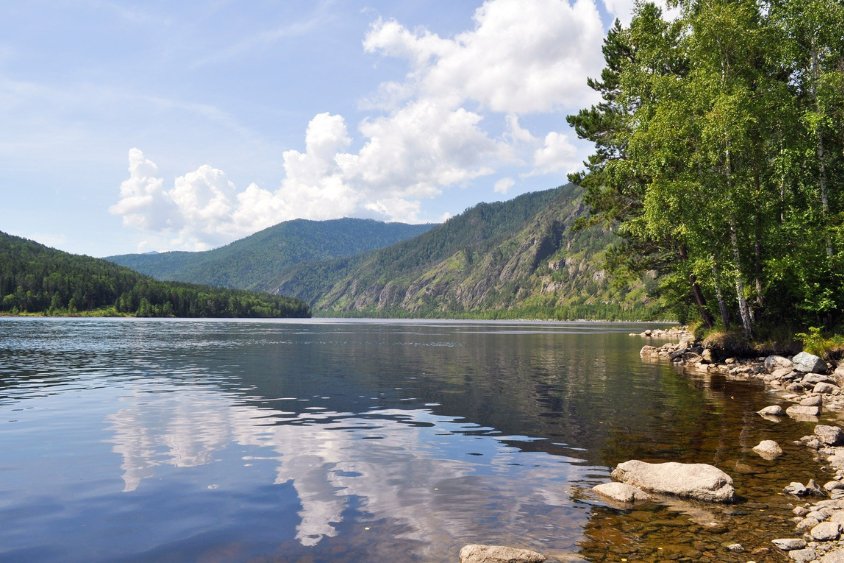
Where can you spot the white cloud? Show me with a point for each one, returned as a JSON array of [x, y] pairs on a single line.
[[557, 155], [520, 57], [424, 135], [503, 185]]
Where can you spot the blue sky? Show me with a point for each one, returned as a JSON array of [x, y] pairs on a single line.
[[185, 125]]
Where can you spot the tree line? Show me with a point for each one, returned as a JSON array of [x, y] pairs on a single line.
[[719, 158], [37, 279]]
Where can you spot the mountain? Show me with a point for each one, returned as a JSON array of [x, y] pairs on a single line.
[[38, 279], [257, 261], [519, 258]]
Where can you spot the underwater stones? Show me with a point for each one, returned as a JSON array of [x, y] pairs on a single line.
[[688, 480], [620, 492]]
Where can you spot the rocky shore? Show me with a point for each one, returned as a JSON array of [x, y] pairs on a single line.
[[808, 387]]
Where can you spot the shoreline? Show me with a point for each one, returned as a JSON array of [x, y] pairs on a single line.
[[811, 388]]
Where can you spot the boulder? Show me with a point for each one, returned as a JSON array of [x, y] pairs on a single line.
[[773, 410], [475, 553], [803, 555], [773, 363], [829, 435], [813, 401], [815, 378], [788, 544], [798, 411], [826, 531], [801, 490], [620, 492], [768, 449], [782, 373], [808, 363], [688, 480], [824, 388], [836, 556]]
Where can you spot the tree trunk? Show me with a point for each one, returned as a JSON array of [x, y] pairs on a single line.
[[744, 309], [697, 293], [719, 296]]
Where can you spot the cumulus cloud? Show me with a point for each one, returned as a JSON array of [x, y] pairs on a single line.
[[520, 57], [430, 132], [557, 154], [503, 185]]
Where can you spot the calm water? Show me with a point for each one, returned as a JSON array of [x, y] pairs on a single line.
[[354, 441]]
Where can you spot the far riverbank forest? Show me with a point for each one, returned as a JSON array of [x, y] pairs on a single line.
[[719, 158], [35, 279]]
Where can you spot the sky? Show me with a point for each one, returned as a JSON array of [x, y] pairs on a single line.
[[156, 125]]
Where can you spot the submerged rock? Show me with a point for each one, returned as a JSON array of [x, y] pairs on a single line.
[[688, 480], [621, 492], [475, 553]]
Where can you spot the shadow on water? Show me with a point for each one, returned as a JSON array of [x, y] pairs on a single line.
[[320, 441]]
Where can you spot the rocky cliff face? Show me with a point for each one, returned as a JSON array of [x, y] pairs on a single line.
[[517, 258]]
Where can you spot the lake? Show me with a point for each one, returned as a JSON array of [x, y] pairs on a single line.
[[335, 440]]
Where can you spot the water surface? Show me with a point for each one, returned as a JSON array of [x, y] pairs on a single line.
[[326, 440]]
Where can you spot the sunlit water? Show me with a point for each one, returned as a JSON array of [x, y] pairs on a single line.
[[362, 441]]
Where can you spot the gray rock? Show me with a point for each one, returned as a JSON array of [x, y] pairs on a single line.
[[824, 388], [826, 531], [800, 410], [803, 555], [773, 363], [830, 486], [620, 492], [789, 544], [836, 556], [801, 490], [808, 363], [475, 553], [688, 480], [773, 410], [768, 449], [706, 355], [813, 401], [837, 516], [829, 435], [815, 378], [781, 373]]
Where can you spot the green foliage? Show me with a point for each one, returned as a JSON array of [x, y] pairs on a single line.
[[719, 158], [37, 279], [258, 261], [827, 347]]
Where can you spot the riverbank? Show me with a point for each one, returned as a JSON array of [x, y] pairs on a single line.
[[812, 390]]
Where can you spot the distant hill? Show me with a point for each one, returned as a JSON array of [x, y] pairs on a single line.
[[38, 279], [519, 258], [258, 261]]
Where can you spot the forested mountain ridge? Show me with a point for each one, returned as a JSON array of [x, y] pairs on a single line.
[[38, 279], [519, 258], [257, 261]]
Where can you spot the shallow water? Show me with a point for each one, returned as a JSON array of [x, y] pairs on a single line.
[[355, 440]]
